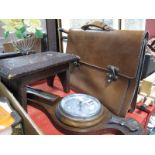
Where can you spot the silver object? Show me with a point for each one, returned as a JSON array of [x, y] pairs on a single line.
[[79, 107]]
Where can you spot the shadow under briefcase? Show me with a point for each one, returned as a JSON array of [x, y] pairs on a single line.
[[110, 65]]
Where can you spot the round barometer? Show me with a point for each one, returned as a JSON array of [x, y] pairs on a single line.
[[79, 110]]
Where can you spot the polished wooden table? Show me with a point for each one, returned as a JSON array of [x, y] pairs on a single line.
[[18, 72]]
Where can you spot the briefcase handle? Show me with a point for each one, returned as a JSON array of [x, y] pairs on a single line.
[[97, 25]]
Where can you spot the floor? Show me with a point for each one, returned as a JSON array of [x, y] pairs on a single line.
[[44, 123]]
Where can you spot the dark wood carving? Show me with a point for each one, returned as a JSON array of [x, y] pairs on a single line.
[[110, 124]]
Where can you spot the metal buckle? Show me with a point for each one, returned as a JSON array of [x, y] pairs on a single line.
[[112, 74]]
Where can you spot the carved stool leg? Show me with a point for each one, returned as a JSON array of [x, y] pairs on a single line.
[[22, 97], [65, 80], [50, 80], [19, 91]]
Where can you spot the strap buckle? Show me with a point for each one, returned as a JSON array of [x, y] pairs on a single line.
[[112, 74]]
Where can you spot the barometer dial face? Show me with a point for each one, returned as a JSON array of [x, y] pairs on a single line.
[[80, 106]]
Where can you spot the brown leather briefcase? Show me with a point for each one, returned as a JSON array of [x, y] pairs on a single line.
[[110, 66]]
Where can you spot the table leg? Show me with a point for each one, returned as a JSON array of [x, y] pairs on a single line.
[[19, 91], [50, 80], [65, 80], [22, 97]]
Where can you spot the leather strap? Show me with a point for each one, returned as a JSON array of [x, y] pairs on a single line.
[[97, 25]]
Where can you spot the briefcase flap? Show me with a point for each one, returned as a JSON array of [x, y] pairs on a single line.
[[103, 48]]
